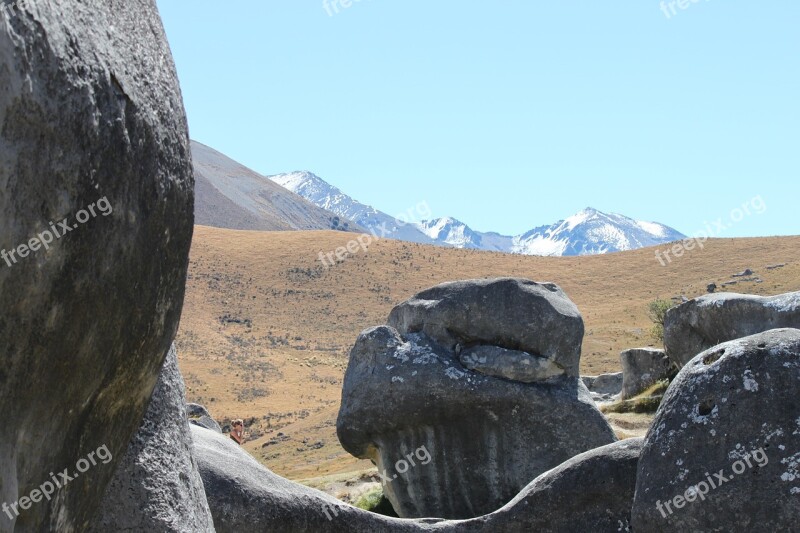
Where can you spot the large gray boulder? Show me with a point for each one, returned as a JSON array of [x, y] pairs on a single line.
[[516, 314], [157, 486], [706, 321], [723, 452], [592, 491], [485, 437], [641, 368], [94, 140], [245, 497]]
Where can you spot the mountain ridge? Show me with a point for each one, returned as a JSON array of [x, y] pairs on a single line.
[[588, 232]]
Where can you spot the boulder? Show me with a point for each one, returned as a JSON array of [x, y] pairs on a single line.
[[246, 497], [199, 416], [592, 491], [157, 486], [406, 399], [709, 320], [724, 448], [642, 367], [516, 314], [604, 386], [96, 218]]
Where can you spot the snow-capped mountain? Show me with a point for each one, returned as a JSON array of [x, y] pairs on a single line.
[[588, 232], [593, 232], [448, 231], [324, 195]]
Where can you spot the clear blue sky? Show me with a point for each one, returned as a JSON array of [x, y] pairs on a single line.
[[508, 115]]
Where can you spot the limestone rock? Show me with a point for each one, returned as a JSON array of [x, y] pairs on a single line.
[[516, 314], [94, 137], [641, 368], [592, 491], [245, 497], [704, 322], [724, 448], [487, 437], [157, 486], [605, 386], [199, 416]]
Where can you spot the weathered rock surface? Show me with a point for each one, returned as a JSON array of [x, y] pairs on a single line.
[[157, 486], [709, 320], [512, 313], [199, 416], [487, 437], [642, 367], [509, 364], [604, 387], [732, 411], [90, 110], [246, 497], [592, 491]]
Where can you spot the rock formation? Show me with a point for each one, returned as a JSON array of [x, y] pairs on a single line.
[[157, 486], [709, 320], [604, 387], [723, 452], [488, 434], [96, 205], [199, 416], [641, 368], [511, 313], [591, 492]]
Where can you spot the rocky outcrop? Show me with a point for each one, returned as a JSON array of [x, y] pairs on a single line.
[[516, 314], [95, 226], [461, 406], [641, 368], [709, 320], [199, 416], [157, 486], [724, 448]]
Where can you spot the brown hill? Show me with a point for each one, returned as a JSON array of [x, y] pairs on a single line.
[[230, 195], [266, 328]]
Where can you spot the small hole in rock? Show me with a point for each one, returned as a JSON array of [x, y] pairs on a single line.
[[705, 407], [713, 357]]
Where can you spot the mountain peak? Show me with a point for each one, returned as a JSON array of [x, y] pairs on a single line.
[[589, 231]]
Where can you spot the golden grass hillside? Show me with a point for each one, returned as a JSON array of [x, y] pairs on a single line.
[[266, 329]]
